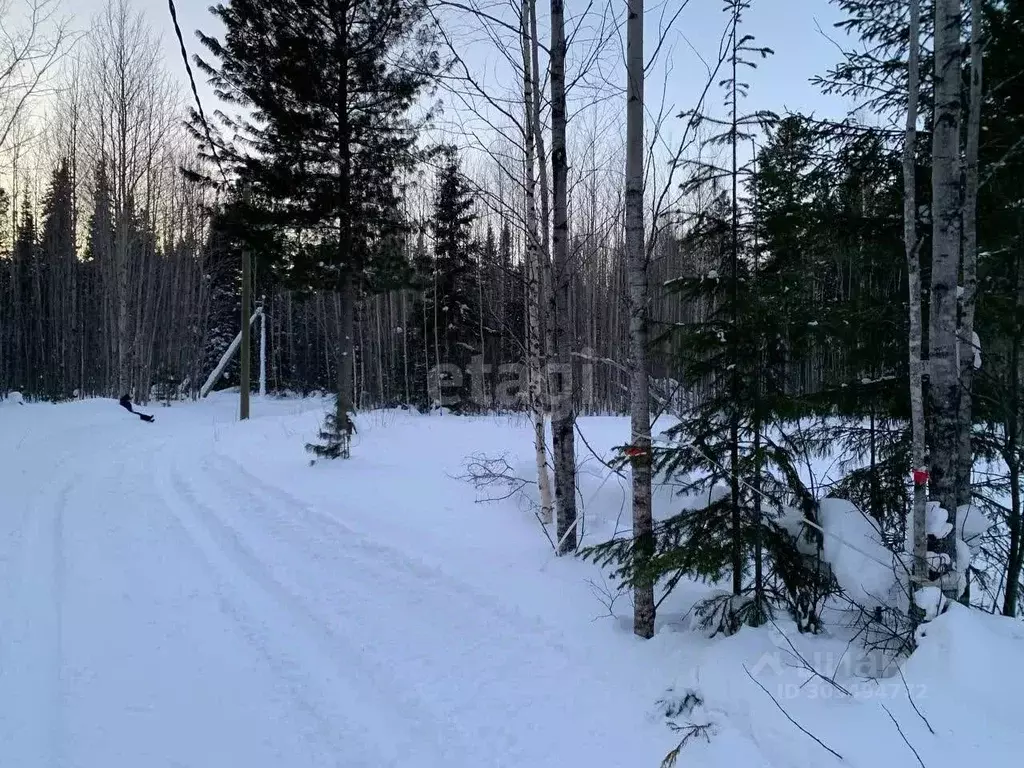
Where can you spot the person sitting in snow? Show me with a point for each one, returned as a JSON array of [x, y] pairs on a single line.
[[126, 403]]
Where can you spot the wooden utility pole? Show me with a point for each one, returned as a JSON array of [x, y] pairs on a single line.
[[244, 357]]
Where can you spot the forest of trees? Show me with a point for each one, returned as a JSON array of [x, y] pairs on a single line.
[[780, 283]]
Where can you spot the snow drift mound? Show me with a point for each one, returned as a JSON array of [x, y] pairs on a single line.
[[12, 398]]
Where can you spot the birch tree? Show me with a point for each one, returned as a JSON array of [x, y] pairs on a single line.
[[636, 264], [912, 245], [943, 338], [968, 347], [563, 415], [545, 292], [335, 87], [533, 270], [128, 121], [34, 37]]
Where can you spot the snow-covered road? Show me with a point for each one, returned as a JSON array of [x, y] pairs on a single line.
[[165, 606], [192, 594]]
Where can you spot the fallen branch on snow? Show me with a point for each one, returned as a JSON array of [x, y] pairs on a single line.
[[794, 722], [904, 737], [486, 473], [691, 731]]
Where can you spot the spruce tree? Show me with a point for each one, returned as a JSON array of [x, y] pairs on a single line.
[[25, 261], [512, 301], [733, 352], [99, 249], [998, 402], [451, 297], [57, 251], [222, 275], [873, 73], [329, 85], [831, 275], [490, 297], [723, 429]]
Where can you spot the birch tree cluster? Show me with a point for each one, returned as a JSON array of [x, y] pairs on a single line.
[[99, 276], [859, 302]]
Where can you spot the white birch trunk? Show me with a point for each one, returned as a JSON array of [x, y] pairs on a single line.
[[487, 402], [405, 349], [636, 264], [225, 359], [944, 388], [533, 257], [545, 292], [911, 243], [436, 378], [563, 414], [970, 262], [263, 351]]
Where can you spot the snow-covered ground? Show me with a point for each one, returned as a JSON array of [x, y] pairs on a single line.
[[192, 593]]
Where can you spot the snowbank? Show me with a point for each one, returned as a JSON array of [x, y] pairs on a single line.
[[12, 398], [853, 547], [962, 683]]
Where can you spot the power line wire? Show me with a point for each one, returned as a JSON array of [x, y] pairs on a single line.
[[195, 91]]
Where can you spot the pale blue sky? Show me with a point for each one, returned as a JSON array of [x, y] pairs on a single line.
[[790, 27], [787, 26]]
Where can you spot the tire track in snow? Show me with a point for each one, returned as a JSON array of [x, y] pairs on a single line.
[[59, 724], [468, 648], [32, 650], [382, 560], [163, 670], [327, 663], [245, 614], [286, 669], [372, 553]]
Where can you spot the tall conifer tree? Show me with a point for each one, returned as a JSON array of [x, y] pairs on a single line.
[[329, 85]]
